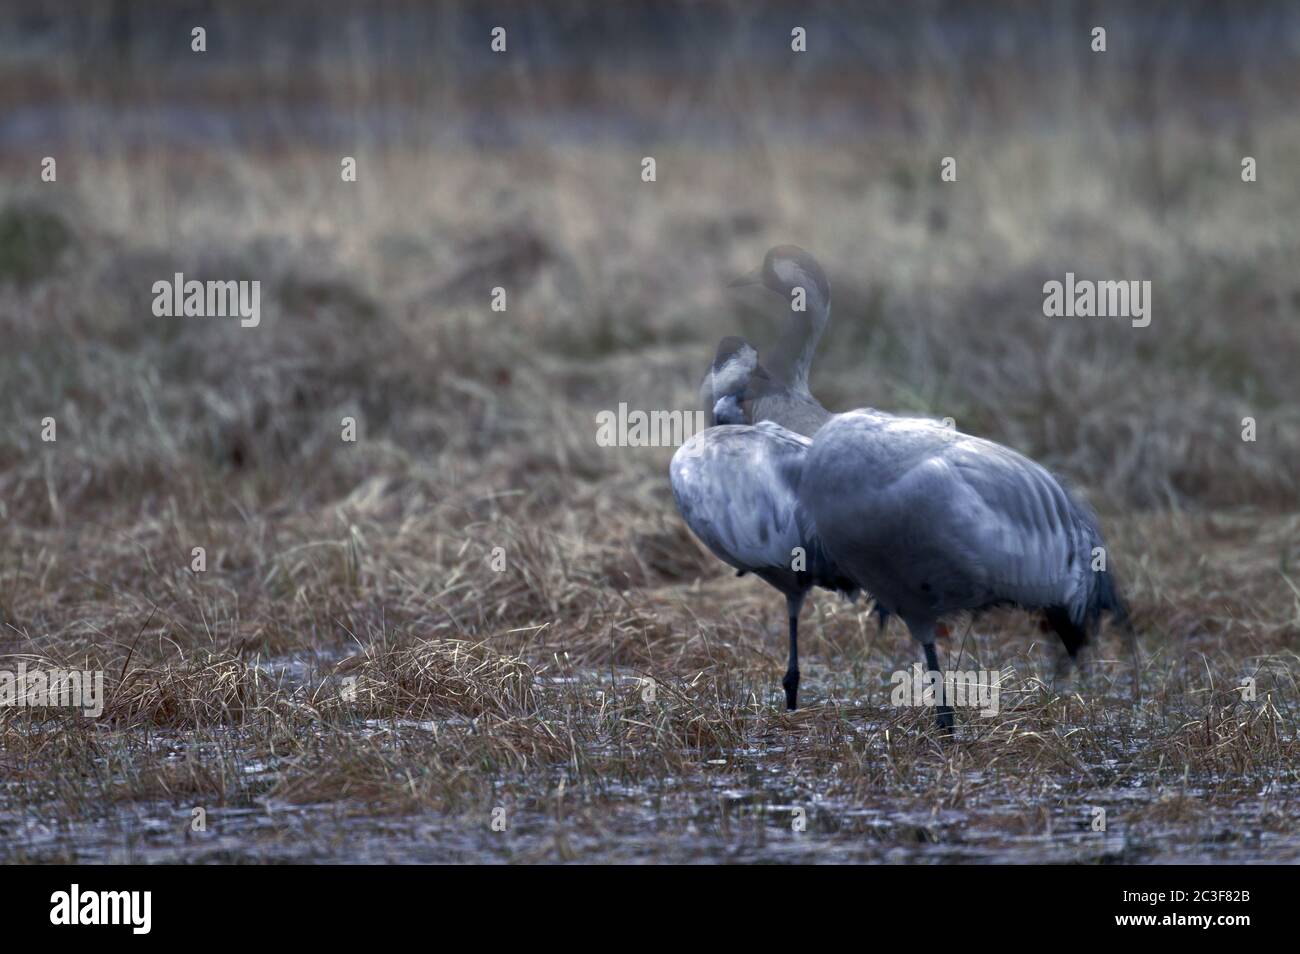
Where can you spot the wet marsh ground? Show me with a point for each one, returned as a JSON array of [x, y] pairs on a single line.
[[351, 679], [551, 723]]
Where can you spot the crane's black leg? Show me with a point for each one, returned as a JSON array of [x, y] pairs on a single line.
[[791, 680], [944, 711]]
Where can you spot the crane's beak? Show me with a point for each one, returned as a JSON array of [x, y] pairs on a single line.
[[749, 278]]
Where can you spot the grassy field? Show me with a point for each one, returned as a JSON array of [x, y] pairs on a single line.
[[352, 679]]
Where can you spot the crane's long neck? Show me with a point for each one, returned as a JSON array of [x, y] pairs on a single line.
[[793, 355]]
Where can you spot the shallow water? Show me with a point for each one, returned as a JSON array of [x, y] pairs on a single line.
[[633, 831], [738, 805], [705, 817]]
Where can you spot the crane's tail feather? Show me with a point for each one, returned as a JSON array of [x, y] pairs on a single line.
[[1073, 636], [1077, 629], [1078, 623]]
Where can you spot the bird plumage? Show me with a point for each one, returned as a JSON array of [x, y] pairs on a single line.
[[926, 519], [943, 521], [932, 521], [736, 487]]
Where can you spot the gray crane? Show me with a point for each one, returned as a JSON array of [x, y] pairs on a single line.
[[933, 522], [926, 519], [736, 486]]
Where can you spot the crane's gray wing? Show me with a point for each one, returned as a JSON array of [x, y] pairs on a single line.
[[737, 489], [1043, 539], [933, 520], [1020, 524], [1009, 527]]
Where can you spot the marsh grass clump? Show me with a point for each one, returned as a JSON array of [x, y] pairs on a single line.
[[447, 678]]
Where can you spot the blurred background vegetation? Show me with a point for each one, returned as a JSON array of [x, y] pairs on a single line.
[[522, 170]]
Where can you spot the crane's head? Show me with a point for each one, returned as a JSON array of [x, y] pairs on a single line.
[[736, 379], [787, 267], [732, 378]]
